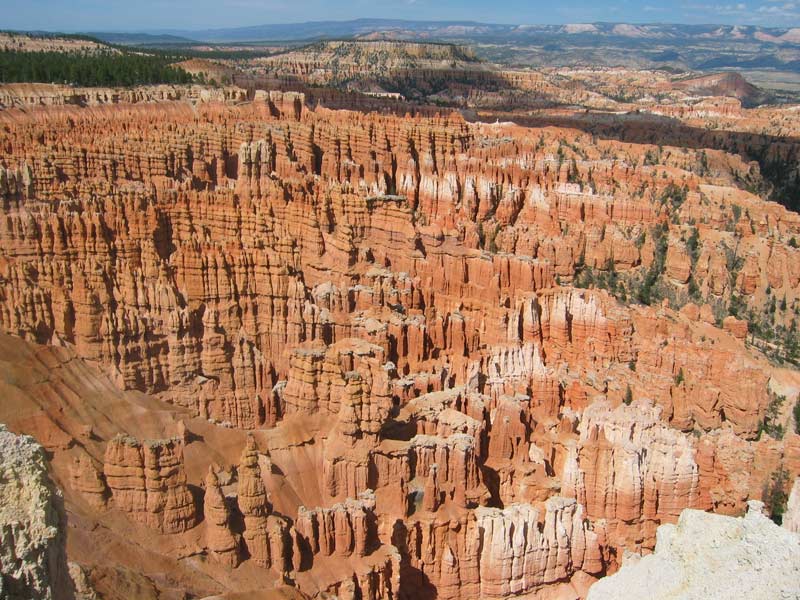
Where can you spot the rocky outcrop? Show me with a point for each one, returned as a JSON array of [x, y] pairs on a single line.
[[707, 556], [345, 529], [496, 553], [20, 95], [629, 467], [519, 555], [265, 536], [147, 480], [222, 544], [87, 479], [33, 559]]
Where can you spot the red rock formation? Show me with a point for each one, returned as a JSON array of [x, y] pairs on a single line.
[[432, 493], [408, 305], [344, 529], [221, 542], [147, 481], [494, 553], [628, 468], [265, 535], [86, 479]]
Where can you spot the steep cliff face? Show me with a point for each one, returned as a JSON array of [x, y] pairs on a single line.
[[33, 559], [630, 469], [444, 339]]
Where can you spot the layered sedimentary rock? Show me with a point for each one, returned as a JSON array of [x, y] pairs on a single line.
[[265, 536], [707, 556], [42, 94], [629, 467], [519, 555], [33, 559], [406, 313], [344, 529], [147, 480], [87, 479], [497, 553], [222, 543]]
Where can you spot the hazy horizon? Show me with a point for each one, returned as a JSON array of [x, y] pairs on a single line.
[[160, 15]]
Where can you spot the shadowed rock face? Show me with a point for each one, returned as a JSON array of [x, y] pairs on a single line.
[[392, 308], [33, 559]]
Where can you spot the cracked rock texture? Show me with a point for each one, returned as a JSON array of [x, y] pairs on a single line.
[[33, 559]]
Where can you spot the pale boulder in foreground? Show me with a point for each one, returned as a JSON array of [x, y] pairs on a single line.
[[707, 556], [33, 560]]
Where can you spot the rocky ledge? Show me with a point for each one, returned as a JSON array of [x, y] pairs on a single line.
[[708, 556]]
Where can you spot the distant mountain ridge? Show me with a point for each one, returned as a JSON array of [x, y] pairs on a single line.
[[459, 30]]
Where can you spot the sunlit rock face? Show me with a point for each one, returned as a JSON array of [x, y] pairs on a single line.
[[379, 355]]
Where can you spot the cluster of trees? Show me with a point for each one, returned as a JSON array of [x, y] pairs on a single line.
[[771, 423], [781, 175], [645, 288], [90, 68], [775, 492]]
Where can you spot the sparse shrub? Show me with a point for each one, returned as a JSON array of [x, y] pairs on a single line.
[[628, 396], [693, 246], [796, 412], [775, 496], [770, 424]]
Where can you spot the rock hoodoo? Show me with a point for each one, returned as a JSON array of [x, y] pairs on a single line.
[[405, 355]]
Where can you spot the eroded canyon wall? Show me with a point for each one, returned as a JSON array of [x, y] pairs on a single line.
[[397, 308]]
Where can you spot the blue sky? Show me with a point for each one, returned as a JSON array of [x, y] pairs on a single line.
[[129, 15]]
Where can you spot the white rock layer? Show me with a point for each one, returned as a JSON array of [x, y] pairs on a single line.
[[33, 561], [709, 557]]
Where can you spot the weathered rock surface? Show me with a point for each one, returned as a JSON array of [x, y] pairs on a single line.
[[344, 529], [222, 543], [405, 313], [33, 559], [519, 555], [709, 556], [628, 467], [147, 480]]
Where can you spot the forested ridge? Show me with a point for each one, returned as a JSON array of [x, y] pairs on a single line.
[[104, 68]]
